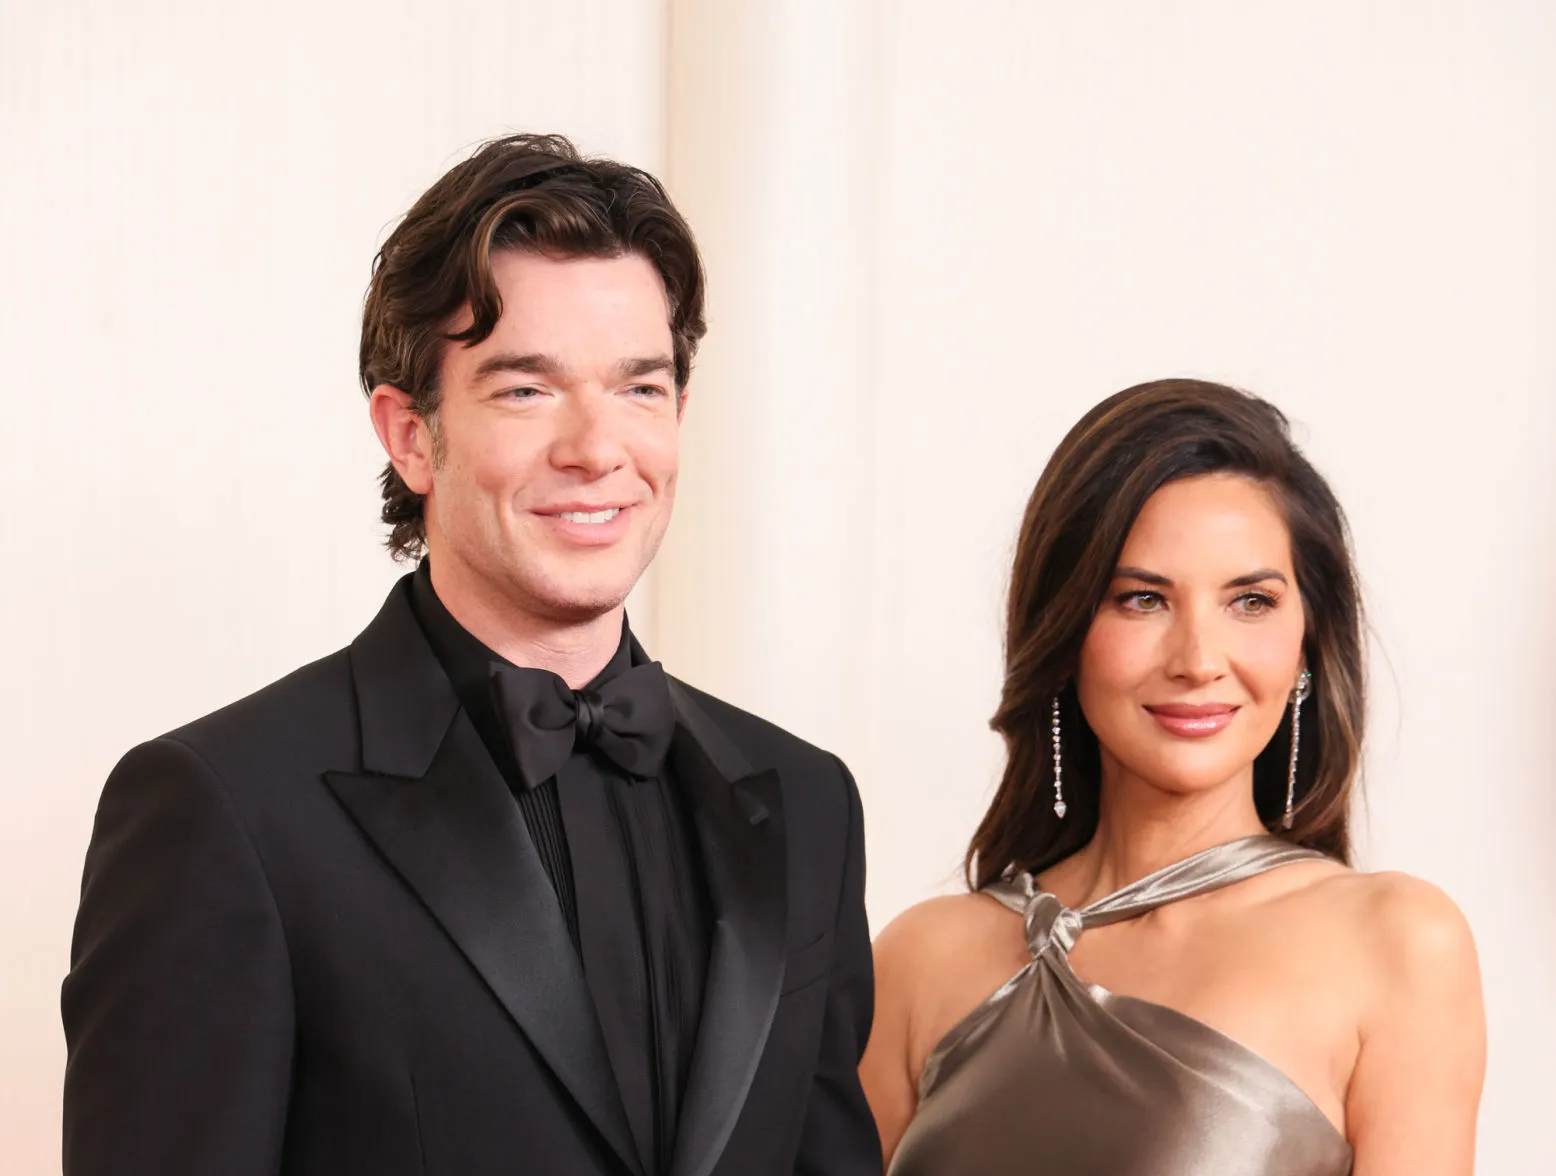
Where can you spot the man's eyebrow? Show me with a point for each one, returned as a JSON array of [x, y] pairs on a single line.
[[649, 365], [540, 364], [536, 364]]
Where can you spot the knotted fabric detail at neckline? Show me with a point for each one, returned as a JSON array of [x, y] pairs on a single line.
[[1049, 921]]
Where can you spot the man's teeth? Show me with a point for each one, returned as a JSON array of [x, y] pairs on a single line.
[[597, 516]]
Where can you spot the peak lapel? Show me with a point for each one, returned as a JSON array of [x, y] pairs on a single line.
[[439, 812], [738, 816]]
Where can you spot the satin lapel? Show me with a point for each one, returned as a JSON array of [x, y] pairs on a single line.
[[439, 812], [738, 816]]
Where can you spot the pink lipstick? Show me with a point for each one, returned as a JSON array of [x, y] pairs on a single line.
[[1194, 720]]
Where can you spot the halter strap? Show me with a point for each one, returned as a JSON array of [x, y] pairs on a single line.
[[1048, 920]]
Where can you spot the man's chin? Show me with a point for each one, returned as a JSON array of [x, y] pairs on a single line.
[[574, 612], [565, 589], [577, 604]]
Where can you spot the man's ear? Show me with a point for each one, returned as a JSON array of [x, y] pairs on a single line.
[[682, 395], [404, 435]]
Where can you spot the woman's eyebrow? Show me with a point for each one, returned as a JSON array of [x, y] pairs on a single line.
[[1145, 577], [1256, 577], [1157, 580]]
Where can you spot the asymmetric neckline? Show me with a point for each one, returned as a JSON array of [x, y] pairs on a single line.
[[1051, 929]]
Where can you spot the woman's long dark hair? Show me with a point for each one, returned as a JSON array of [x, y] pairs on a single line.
[[1076, 522]]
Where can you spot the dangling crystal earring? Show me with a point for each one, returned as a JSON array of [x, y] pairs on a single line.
[[1059, 805], [1298, 697]]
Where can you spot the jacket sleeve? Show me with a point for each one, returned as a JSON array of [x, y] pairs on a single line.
[[839, 1136], [178, 1005]]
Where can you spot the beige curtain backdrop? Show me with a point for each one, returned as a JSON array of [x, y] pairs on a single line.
[[191, 197], [936, 234]]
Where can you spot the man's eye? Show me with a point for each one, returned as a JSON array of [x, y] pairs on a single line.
[[650, 390]]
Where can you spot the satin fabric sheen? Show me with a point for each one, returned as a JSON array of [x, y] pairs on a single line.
[[1055, 1075]]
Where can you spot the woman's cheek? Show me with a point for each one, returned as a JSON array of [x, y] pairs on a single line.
[[1272, 658], [1116, 655]]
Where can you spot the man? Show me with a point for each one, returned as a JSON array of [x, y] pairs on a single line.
[[487, 892]]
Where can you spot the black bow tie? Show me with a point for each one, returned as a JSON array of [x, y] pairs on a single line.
[[630, 719]]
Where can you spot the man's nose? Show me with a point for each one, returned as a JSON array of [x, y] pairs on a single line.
[[589, 435]]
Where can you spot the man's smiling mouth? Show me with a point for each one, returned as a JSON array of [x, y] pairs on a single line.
[[589, 517]]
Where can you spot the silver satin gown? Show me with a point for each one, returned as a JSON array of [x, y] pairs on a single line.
[[1055, 1075]]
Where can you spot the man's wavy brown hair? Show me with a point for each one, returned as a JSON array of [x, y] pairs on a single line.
[[533, 193], [1076, 523]]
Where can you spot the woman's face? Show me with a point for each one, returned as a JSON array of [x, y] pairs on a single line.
[[1194, 652]]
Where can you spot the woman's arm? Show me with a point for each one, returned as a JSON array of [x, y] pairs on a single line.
[[1413, 1097], [890, 1085]]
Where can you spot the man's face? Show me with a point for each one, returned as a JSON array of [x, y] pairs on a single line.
[[557, 438]]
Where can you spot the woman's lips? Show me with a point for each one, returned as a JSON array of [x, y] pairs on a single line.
[[1193, 721]]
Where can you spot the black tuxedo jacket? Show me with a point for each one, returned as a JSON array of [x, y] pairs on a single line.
[[315, 937]]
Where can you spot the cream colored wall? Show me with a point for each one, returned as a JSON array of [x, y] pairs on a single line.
[[191, 199], [936, 234], [934, 243]]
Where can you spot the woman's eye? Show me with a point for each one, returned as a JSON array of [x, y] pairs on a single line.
[[1253, 603], [1142, 601]]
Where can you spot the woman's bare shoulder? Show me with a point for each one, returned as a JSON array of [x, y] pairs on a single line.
[[937, 960], [936, 947], [1401, 924], [924, 958], [950, 923], [1421, 1029], [1413, 925]]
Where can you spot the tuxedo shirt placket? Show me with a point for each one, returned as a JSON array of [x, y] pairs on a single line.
[[609, 936], [623, 861]]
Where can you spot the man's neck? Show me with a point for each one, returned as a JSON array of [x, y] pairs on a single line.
[[576, 651]]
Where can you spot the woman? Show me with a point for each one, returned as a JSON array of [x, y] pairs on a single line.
[[1167, 966]]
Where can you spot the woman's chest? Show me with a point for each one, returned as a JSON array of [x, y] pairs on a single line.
[[1284, 993]]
